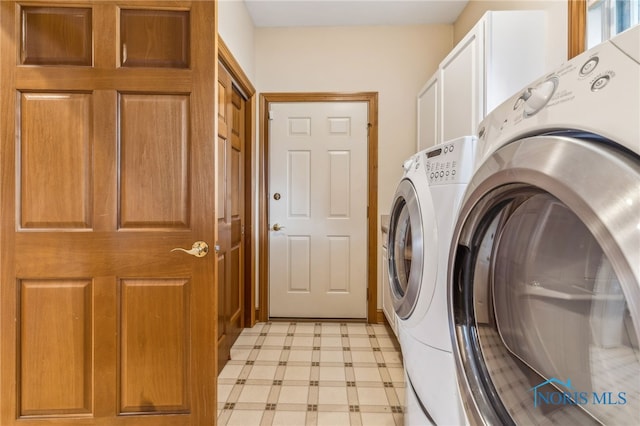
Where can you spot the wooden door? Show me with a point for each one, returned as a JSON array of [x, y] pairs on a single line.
[[107, 158], [318, 209], [230, 214]]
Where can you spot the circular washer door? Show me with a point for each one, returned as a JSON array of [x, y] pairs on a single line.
[[544, 285], [405, 249]]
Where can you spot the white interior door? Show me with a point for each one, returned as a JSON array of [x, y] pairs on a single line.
[[318, 209]]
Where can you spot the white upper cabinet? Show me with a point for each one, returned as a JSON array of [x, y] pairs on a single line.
[[428, 114], [502, 53], [461, 77]]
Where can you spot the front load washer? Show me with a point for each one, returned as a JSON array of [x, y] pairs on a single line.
[[544, 268], [421, 224]]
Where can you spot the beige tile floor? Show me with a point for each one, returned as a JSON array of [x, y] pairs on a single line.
[[305, 373]]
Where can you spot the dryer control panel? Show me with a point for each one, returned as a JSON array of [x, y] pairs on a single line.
[[450, 162]]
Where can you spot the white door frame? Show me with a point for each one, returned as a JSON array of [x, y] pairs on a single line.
[[371, 98]]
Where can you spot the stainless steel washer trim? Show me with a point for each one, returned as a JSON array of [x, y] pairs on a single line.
[[596, 181], [406, 197]]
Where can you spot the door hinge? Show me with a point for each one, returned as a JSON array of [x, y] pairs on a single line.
[[369, 126], [271, 115]]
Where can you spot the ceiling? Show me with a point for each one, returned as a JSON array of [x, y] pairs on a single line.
[[302, 13]]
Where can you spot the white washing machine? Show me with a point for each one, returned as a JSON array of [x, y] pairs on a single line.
[[420, 229], [544, 270]]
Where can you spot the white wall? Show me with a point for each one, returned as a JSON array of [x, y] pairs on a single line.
[[394, 61], [557, 22], [236, 29]]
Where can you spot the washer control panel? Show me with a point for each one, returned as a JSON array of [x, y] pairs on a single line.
[[451, 162], [594, 92]]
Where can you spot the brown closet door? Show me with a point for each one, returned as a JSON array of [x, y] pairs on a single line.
[[230, 212], [107, 160]]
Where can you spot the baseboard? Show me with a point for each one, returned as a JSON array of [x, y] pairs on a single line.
[[381, 318]]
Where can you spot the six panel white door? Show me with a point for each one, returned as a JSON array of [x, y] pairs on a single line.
[[318, 200]]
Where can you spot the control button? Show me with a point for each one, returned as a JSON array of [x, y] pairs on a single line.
[[540, 96], [447, 172], [446, 149], [600, 83], [517, 105], [451, 148], [431, 175], [441, 174], [589, 66], [453, 172]]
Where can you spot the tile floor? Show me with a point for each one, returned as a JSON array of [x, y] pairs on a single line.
[[305, 373]]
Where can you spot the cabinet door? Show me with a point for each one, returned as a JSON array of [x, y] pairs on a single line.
[[428, 115], [462, 86]]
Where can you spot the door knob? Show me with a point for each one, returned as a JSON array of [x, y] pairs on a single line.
[[199, 249], [276, 227]]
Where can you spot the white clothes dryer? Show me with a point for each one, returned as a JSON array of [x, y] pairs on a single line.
[[421, 224], [544, 268]]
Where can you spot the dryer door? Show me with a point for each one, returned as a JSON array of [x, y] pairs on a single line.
[[544, 285], [405, 249]]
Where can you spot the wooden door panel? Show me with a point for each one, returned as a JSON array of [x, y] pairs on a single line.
[[221, 171], [154, 38], [235, 301], [235, 180], [222, 340], [56, 319], [236, 253], [154, 158], [56, 36], [223, 95], [154, 330], [105, 325], [55, 161]]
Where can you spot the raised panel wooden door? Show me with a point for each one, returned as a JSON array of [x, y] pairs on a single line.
[[107, 158], [318, 209], [231, 134]]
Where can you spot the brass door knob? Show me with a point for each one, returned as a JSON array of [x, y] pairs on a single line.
[[199, 249], [276, 227]]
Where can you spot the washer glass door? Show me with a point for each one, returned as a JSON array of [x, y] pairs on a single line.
[[560, 309], [545, 289], [405, 245]]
